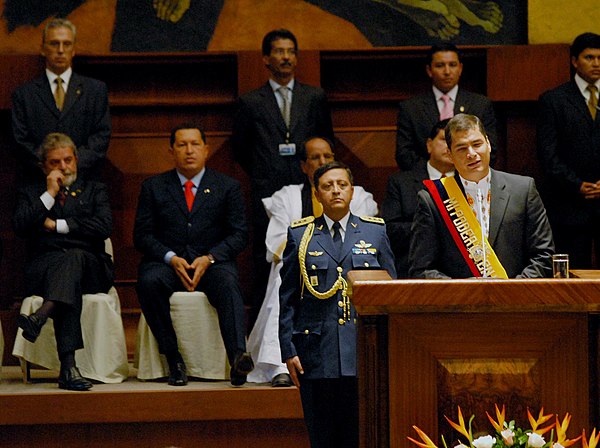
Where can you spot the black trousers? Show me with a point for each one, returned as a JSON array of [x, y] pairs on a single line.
[[157, 281], [63, 277], [331, 411]]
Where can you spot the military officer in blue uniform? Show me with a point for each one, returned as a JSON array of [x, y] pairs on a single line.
[[317, 322]]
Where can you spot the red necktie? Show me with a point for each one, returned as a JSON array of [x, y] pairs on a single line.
[[189, 194], [62, 197]]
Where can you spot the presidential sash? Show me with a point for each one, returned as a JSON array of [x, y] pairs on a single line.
[[464, 228]]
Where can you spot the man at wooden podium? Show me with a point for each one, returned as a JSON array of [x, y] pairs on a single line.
[[317, 321], [480, 222]]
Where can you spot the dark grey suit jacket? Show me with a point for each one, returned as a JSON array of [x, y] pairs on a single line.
[[418, 115], [568, 145], [519, 233], [259, 128], [216, 224], [398, 211], [85, 118]]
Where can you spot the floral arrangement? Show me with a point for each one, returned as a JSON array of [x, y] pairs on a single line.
[[508, 435]]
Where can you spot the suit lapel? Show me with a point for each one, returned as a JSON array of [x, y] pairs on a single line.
[[323, 237], [298, 104], [73, 93], [176, 191], [272, 108], [352, 236], [462, 104], [73, 196], [45, 94], [575, 97], [204, 192], [499, 202]]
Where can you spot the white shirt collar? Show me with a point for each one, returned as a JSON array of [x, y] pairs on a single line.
[[65, 76], [435, 174], [483, 183], [274, 85], [583, 85], [196, 179], [343, 222], [451, 93]]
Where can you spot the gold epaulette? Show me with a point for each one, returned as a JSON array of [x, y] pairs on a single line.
[[373, 219], [302, 222]]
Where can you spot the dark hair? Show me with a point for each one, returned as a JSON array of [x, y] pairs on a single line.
[[437, 128], [461, 123], [302, 151], [331, 166], [186, 126], [441, 47], [54, 141], [274, 35], [583, 41]]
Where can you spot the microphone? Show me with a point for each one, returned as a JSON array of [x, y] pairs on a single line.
[[482, 225]]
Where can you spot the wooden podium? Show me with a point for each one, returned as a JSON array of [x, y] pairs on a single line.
[[427, 346]]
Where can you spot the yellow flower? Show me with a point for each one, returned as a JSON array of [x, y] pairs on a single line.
[[535, 424], [428, 443], [561, 431], [460, 427], [501, 416], [594, 439]]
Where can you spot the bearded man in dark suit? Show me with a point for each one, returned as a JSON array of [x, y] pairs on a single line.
[[417, 115], [568, 144], [65, 220], [190, 226], [75, 105]]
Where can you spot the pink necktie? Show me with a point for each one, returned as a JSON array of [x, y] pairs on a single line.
[[447, 109], [189, 194]]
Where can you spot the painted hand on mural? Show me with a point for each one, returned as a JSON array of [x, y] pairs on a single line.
[[170, 10], [440, 18]]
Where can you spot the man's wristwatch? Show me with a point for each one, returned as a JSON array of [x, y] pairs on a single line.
[[210, 258]]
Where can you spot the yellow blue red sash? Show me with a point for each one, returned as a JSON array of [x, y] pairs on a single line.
[[464, 228]]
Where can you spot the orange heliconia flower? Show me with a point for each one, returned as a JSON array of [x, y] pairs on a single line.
[[501, 416], [535, 424]]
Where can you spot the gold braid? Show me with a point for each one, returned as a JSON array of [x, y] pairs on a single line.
[[340, 283]]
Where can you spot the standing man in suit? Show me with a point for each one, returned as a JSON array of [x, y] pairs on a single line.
[[65, 221], [400, 202], [190, 226], [289, 204], [417, 115], [271, 123], [479, 222], [568, 143], [61, 101], [317, 321]]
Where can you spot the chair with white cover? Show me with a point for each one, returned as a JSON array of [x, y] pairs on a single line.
[[196, 324], [104, 356]]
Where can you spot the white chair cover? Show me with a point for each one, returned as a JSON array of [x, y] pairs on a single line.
[[104, 356], [198, 336]]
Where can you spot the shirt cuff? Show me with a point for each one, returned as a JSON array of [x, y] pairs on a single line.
[[62, 226], [47, 200], [168, 256]]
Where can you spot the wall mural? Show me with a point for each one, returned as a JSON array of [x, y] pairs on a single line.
[[189, 25]]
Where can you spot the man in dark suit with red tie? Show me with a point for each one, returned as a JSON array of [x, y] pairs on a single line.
[[190, 226], [61, 101], [65, 220], [417, 115], [568, 144]]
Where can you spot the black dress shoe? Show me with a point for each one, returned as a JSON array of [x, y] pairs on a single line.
[[71, 379], [31, 326], [242, 366], [282, 380], [178, 375]]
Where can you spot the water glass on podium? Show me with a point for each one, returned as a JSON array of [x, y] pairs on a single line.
[[560, 265]]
